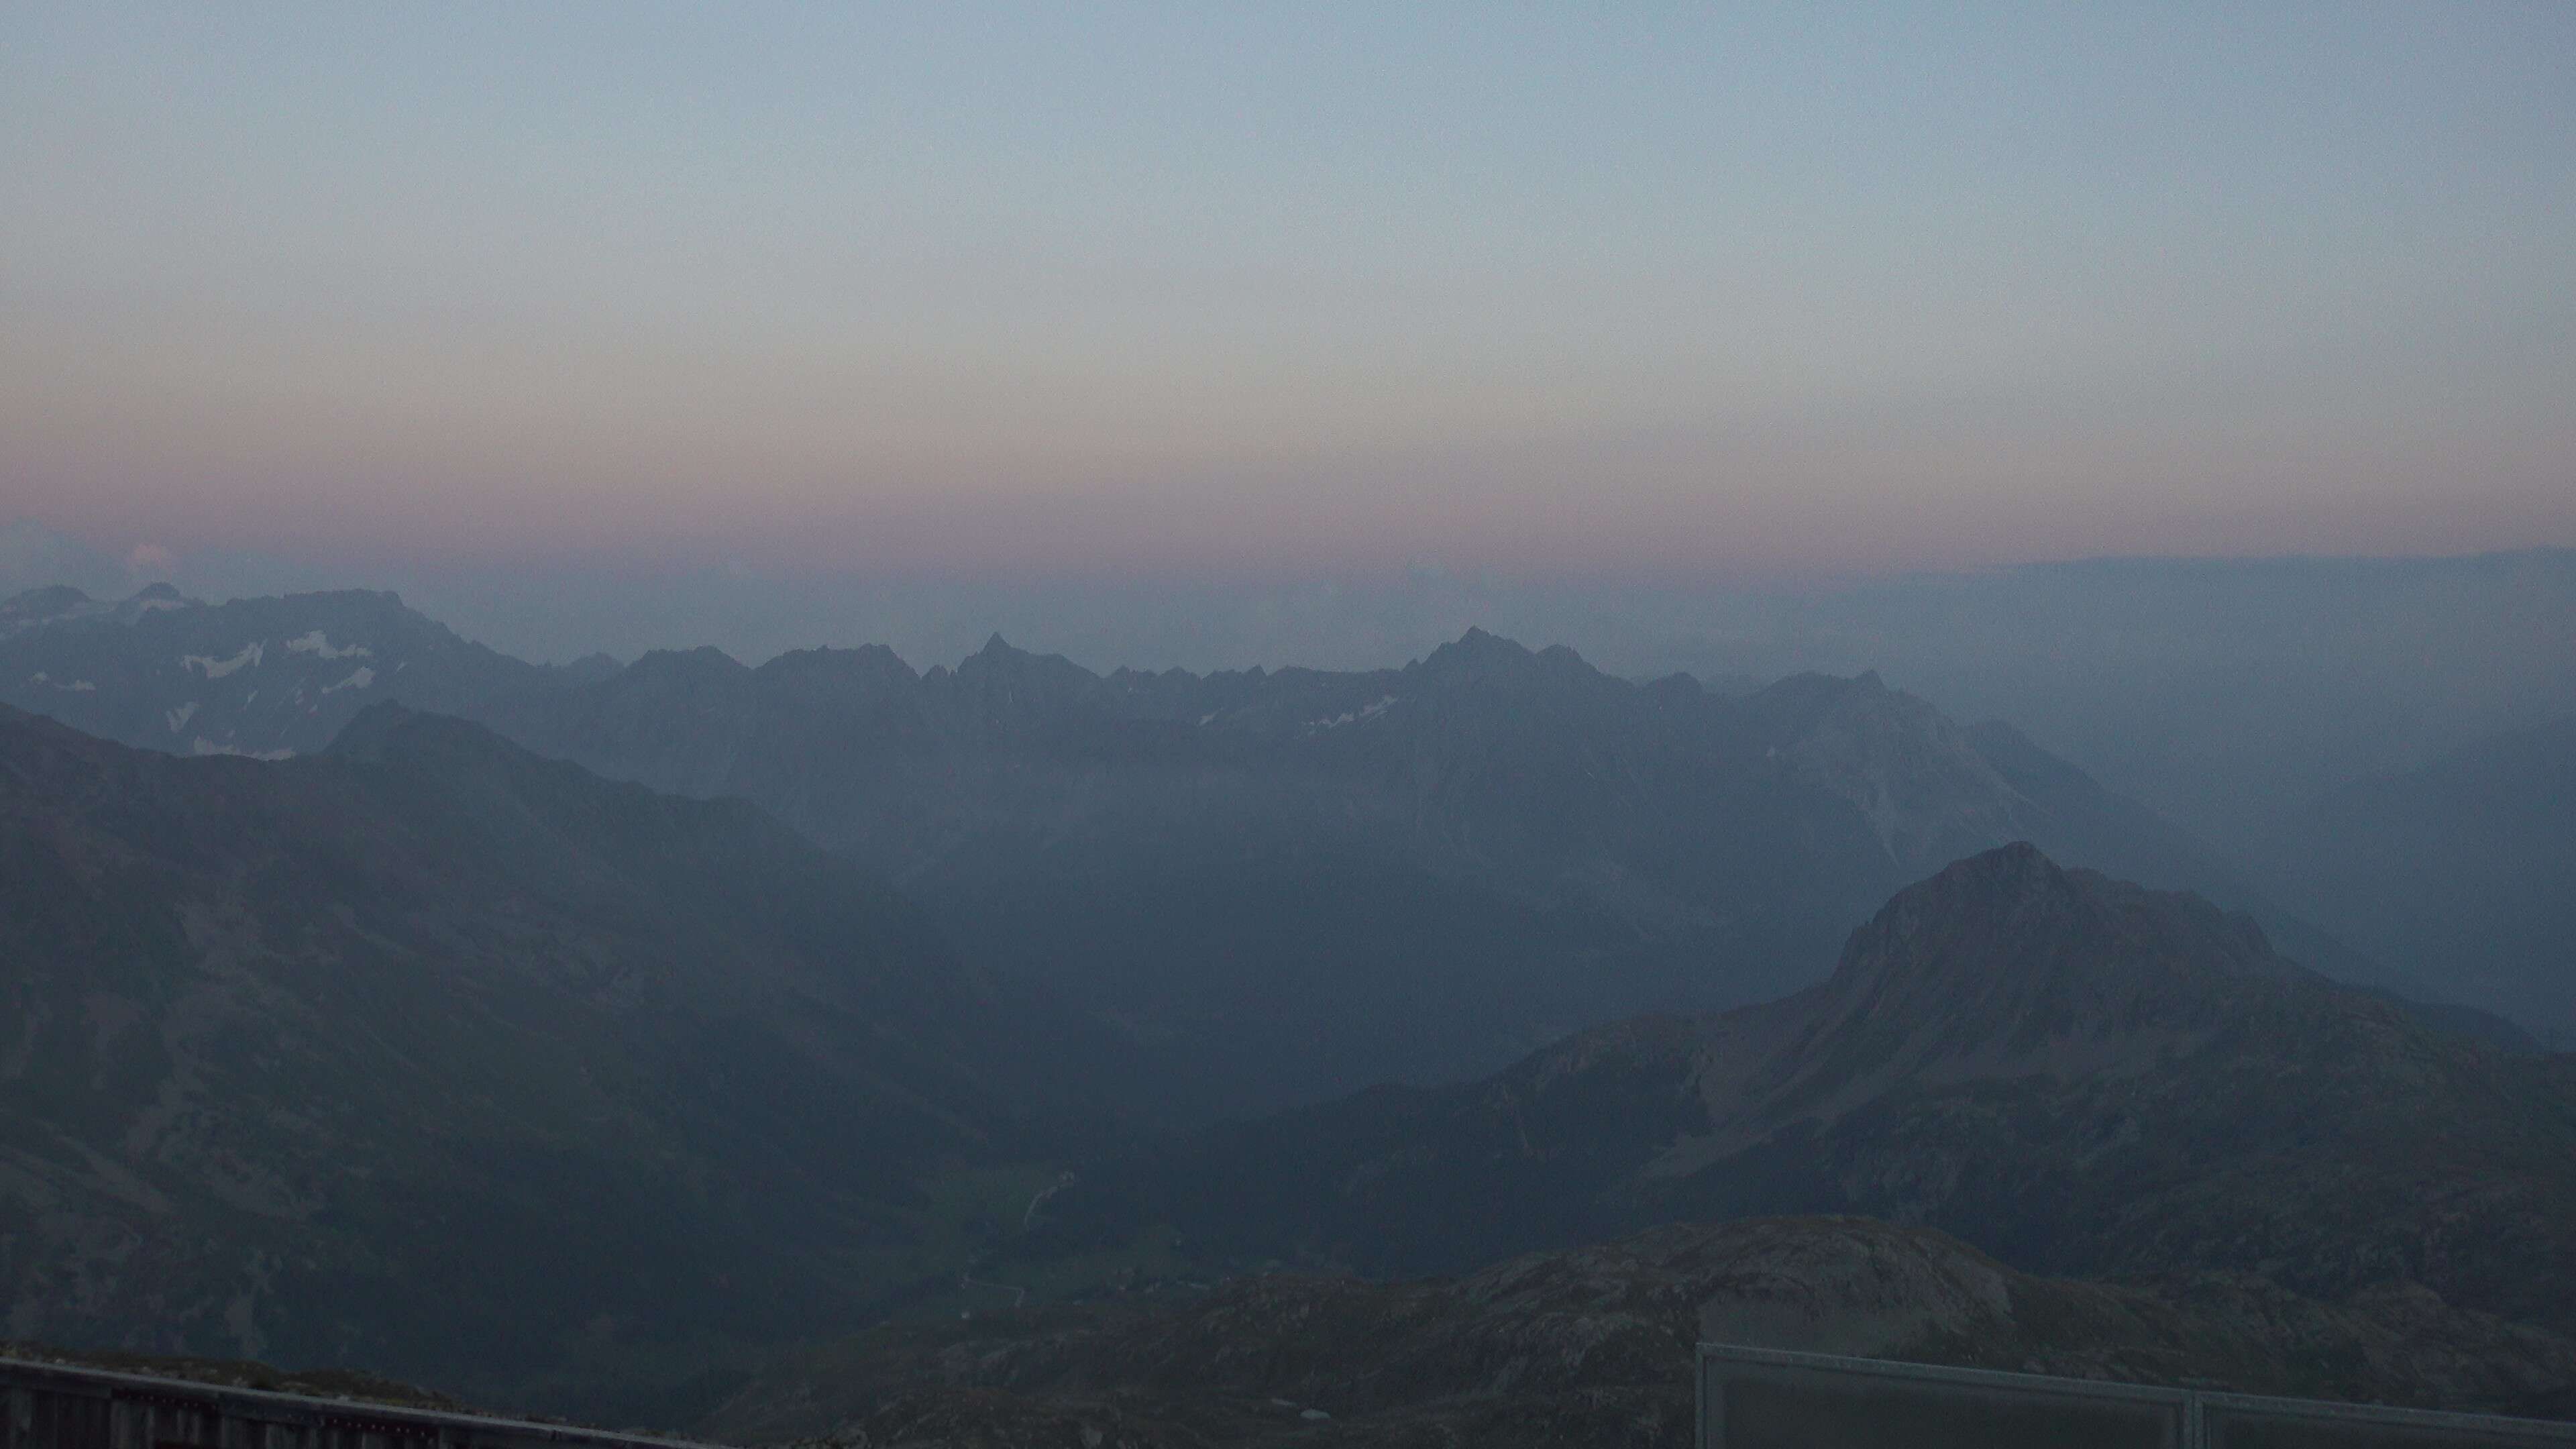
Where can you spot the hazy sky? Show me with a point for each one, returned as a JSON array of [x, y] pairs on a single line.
[[1204, 291]]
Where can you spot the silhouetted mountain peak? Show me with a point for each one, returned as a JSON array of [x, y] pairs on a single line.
[[2007, 958], [704, 662], [1476, 648], [1016, 678], [589, 668], [2012, 908], [1478, 655], [2016, 868], [868, 661], [1000, 655]]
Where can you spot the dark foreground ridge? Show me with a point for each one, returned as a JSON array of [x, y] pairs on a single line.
[[1595, 1347]]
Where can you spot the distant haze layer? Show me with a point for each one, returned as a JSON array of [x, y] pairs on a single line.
[[1144, 294]]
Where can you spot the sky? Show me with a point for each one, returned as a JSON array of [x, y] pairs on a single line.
[[1141, 297]]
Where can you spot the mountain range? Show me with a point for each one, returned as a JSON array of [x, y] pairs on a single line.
[[427, 1052], [1274, 886]]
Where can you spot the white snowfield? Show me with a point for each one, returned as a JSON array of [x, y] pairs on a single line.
[[1366, 711], [319, 644], [179, 717], [358, 680], [250, 655]]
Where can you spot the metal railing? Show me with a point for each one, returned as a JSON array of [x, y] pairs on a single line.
[[1759, 1398], [62, 1406]]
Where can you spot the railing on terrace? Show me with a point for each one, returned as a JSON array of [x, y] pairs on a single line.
[[1756, 1398], [57, 1406]]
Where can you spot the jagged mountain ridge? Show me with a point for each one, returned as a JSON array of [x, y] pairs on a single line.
[[431, 1054], [1294, 883], [1280, 885], [2073, 1073]]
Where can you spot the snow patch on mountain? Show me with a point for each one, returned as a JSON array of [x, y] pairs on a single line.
[[179, 717], [360, 679], [250, 655], [318, 644], [1364, 712]]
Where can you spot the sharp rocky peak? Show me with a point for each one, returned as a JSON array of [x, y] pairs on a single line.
[[2006, 951], [1478, 654], [2012, 908], [999, 653]]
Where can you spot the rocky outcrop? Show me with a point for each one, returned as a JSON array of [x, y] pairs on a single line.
[[1593, 1347]]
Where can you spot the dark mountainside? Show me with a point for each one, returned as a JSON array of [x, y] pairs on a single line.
[[2467, 866], [430, 1055], [2072, 1073], [1278, 887], [1592, 1347]]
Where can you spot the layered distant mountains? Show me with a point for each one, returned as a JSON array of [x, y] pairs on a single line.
[[2070, 1072], [415, 1047], [429, 1054], [1275, 886]]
